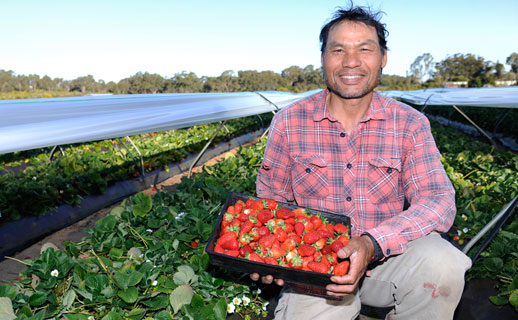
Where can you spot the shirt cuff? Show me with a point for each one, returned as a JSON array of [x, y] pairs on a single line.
[[378, 254]]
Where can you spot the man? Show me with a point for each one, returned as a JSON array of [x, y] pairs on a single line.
[[351, 151]]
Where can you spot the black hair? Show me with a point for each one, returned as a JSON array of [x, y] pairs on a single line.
[[356, 14]]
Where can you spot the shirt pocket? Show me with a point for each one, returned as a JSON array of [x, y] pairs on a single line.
[[310, 177], [383, 178]]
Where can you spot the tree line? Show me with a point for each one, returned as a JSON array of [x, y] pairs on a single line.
[[423, 73]]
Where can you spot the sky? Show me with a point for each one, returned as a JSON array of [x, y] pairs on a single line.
[[112, 40]]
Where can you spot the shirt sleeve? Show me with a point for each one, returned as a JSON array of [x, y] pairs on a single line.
[[427, 188], [274, 175]]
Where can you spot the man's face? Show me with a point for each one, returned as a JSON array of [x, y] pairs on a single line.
[[352, 60]]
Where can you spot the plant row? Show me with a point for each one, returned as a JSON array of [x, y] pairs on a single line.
[[32, 186]]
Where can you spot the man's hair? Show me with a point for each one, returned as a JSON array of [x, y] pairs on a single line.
[[356, 14]]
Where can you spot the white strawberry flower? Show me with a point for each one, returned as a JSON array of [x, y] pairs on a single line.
[[465, 230], [154, 283], [54, 273], [265, 305], [236, 301], [246, 300], [464, 217], [231, 308], [91, 318]]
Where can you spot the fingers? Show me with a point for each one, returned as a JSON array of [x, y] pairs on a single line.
[[268, 279]]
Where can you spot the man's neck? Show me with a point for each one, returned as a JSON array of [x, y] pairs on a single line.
[[348, 112]]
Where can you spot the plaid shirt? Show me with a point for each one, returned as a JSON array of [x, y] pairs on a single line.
[[389, 156]]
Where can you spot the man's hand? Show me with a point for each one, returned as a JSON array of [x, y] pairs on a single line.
[[359, 250], [266, 279]]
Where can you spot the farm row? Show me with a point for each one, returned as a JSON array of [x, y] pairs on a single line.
[[146, 259]]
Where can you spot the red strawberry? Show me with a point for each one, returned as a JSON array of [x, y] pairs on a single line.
[[263, 231], [316, 221], [264, 216], [231, 244], [303, 213], [288, 227], [244, 238], [277, 252], [230, 209], [311, 237], [284, 213], [341, 268], [299, 228], [270, 204], [320, 244], [233, 253], [271, 260], [254, 257], [242, 217], [227, 236], [295, 237], [289, 244], [245, 249], [318, 267], [246, 227], [238, 207], [326, 249], [325, 261], [267, 241], [344, 239], [306, 250], [325, 234], [280, 235], [249, 202], [194, 244], [340, 228], [336, 245], [219, 249], [306, 261], [257, 204]]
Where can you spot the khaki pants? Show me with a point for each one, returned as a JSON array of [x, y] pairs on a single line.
[[425, 282]]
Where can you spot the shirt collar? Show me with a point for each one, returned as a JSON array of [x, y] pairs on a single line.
[[377, 109]]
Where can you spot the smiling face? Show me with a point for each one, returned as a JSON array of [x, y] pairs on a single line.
[[352, 60]]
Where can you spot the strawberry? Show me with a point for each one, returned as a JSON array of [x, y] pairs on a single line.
[[254, 234], [249, 202], [284, 213], [341, 268], [227, 236], [267, 241], [288, 227], [276, 252], [194, 244], [330, 228], [271, 260], [257, 204], [318, 267], [291, 221], [340, 228], [238, 207], [245, 249], [270, 204], [336, 245], [246, 227], [316, 221], [325, 234], [320, 244], [303, 213], [254, 257], [325, 261], [280, 235], [344, 239], [326, 249], [289, 244], [263, 231], [306, 250], [244, 238], [231, 209], [264, 216], [242, 217], [233, 253], [310, 237], [295, 237], [219, 249], [306, 261], [299, 228], [231, 244], [236, 222]]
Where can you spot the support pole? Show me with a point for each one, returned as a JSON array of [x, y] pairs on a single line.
[[222, 123], [475, 125], [132, 157], [51, 155]]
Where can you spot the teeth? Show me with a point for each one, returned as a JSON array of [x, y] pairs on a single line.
[[350, 77]]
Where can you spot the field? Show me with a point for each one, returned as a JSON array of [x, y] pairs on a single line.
[[146, 258]]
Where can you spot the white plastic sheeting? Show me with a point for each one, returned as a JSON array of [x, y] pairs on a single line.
[[37, 123], [497, 97]]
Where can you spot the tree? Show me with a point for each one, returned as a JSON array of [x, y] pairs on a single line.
[[463, 65], [499, 70], [512, 61], [422, 68]]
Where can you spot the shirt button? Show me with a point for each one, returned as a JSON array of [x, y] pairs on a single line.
[[349, 199], [389, 170], [308, 170], [349, 166], [388, 252], [342, 134]]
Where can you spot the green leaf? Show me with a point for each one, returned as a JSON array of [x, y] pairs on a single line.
[[6, 309], [494, 264], [499, 300], [78, 316], [513, 298], [163, 315], [185, 275], [112, 315], [136, 314], [38, 316], [117, 211], [7, 291], [220, 309], [37, 299], [129, 295], [69, 298], [142, 204], [180, 296], [116, 253], [159, 302], [197, 301]]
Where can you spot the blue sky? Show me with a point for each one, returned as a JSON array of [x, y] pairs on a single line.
[[112, 40]]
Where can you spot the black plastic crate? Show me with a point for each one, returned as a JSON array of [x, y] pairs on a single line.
[[307, 282]]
